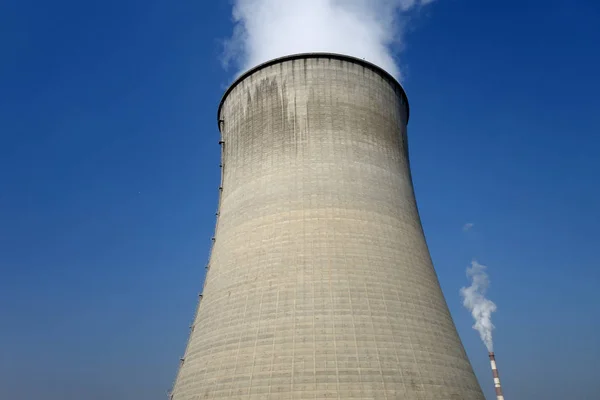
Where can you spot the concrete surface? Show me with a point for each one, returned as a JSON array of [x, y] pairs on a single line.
[[320, 284]]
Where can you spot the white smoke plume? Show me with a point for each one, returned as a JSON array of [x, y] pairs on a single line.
[[468, 226], [368, 29], [475, 301]]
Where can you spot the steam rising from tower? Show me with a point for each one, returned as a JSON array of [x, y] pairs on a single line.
[[367, 29]]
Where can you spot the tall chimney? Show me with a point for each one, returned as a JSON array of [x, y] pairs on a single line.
[[497, 386]]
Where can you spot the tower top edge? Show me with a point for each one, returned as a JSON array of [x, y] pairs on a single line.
[[305, 56]]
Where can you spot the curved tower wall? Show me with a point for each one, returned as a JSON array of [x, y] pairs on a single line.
[[320, 284]]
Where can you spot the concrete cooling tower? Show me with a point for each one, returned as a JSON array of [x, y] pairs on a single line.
[[320, 284]]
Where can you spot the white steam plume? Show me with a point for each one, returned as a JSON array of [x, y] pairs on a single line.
[[267, 29], [481, 308]]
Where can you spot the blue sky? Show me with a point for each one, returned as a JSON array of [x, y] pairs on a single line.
[[109, 168]]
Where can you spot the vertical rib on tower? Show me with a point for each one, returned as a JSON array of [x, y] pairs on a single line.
[[320, 282]]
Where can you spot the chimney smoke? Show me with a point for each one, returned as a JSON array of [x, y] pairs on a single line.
[[475, 301]]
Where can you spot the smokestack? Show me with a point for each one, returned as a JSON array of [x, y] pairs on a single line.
[[497, 386]]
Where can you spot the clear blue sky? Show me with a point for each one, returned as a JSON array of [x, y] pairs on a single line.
[[109, 168]]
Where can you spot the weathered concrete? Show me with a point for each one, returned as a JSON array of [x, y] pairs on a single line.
[[320, 284]]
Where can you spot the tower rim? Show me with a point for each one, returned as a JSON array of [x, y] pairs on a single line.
[[324, 55]]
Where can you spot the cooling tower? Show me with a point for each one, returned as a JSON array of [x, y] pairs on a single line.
[[320, 284]]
